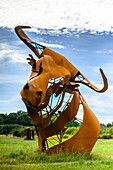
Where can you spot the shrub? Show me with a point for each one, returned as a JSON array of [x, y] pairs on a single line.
[[6, 129], [73, 124], [23, 132], [72, 130], [20, 132], [66, 136], [109, 125], [105, 136], [10, 129], [17, 133], [106, 133]]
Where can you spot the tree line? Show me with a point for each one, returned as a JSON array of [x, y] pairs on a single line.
[[16, 123], [20, 118]]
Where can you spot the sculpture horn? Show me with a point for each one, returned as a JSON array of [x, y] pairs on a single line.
[[27, 40], [86, 82]]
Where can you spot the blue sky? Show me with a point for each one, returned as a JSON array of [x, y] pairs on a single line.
[[82, 31]]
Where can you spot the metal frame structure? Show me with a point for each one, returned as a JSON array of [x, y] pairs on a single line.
[[52, 78]]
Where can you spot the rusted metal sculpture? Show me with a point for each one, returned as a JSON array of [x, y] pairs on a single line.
[[54, 77]]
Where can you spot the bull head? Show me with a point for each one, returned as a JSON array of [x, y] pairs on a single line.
[[52, 74]]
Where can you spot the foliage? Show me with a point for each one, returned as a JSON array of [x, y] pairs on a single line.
[[7, 129], [15, 123], [105, 136], [102, 125], [17, 133], [9, 123], [66, 136], [71, 130], [73, 124], [2, 118], [20, 133], [106, 133], [23, 119], [15, 129], [20, 118], [109, 125]]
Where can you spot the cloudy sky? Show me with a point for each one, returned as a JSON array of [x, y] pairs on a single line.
[[82, 31]]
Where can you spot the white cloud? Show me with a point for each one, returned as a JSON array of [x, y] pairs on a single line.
[[101, 105], [14, 54], [10, 100], [6, 78], [13, 103], [52, 45], [95, 15], [17, 55], [105, 51]]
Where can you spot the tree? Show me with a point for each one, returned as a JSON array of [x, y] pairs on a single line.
[[23, 119], [3, 118], [11, 118], [73, 124], [109, 125]]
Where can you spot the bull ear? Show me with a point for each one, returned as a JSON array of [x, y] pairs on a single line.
[[32, 61], [83, 80]]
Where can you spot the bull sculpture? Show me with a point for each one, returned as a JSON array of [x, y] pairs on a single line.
[[53, 78]]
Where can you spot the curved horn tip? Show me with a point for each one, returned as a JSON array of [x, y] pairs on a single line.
[[100, 70], [102, 73], [104, 79], [21, 27]]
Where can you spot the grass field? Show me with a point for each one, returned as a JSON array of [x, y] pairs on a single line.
[[17, 153]]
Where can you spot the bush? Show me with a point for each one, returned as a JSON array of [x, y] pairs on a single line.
[[73, 124], [17, 133], [6, 129], [23, 132], [105, 136], [106, 133], [72, 130], [20, 132], [66, 136], [12, 128]]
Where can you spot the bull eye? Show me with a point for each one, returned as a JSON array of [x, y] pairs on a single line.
[[39, 92], [40, 69], [26, 87], [34, 65]]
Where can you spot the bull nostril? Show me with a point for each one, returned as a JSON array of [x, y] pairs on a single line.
[[26, 87], [39, 92]]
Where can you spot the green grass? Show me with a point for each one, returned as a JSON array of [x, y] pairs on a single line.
[[17, 153]]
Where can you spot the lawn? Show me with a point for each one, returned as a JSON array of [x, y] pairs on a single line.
[[17, 153]]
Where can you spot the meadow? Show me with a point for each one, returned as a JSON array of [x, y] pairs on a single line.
[[17, 153]]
